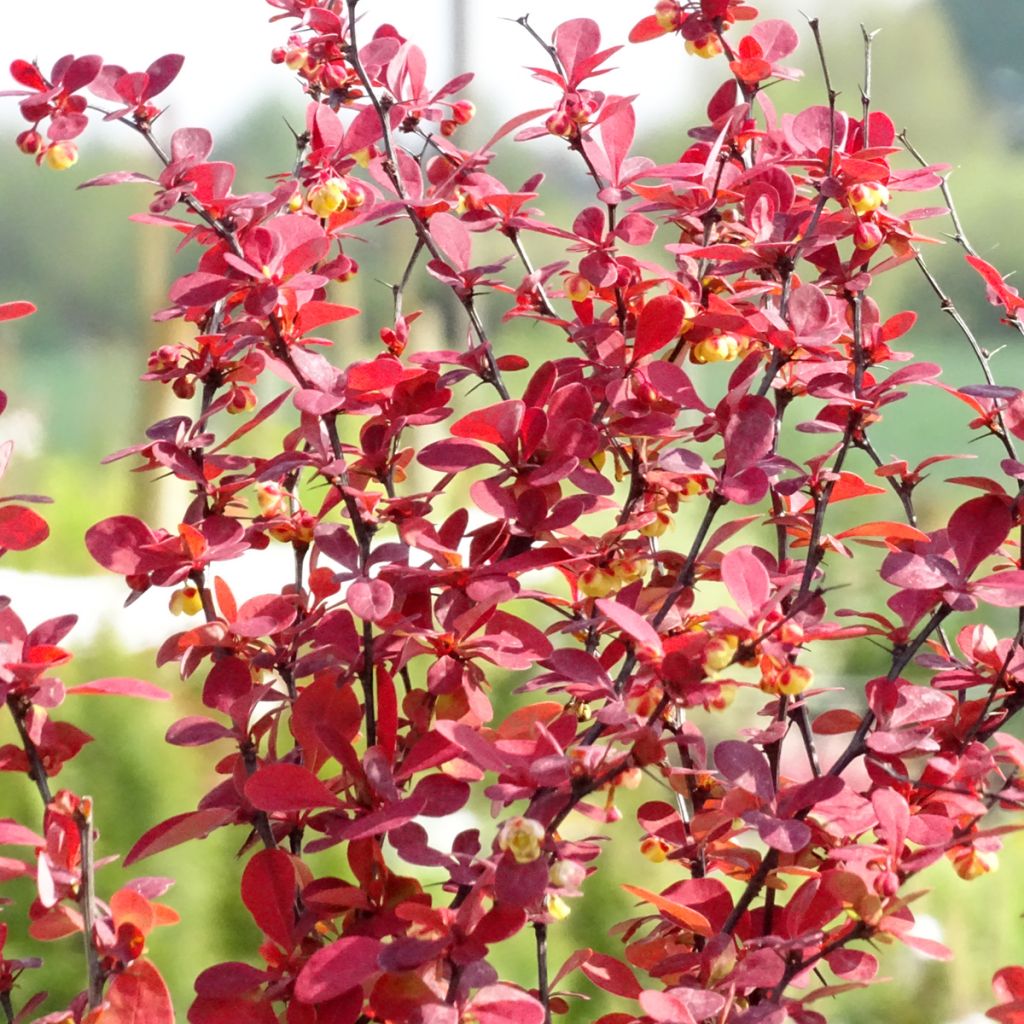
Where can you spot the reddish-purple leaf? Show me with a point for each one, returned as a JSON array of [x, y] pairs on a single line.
[[746, 579], [179, 829], [745, 767], [138, 995], [333, 970], [162, 72], [1003, 589], [121, 686], [659, 323], [269, 891], [371, 600], [263, 616], [681, 1005], [13, 834], [15, 310], [21, 528], [504, 1004], [497, 424], [778, 39], [287, 787], [611, 975], [977, 528], [632, 624]]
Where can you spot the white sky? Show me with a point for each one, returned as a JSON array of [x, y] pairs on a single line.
[[227, 44]]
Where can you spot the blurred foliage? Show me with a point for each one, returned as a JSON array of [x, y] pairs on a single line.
[[71, 372]]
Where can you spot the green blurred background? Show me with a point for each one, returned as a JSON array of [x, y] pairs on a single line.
[[950, 71]]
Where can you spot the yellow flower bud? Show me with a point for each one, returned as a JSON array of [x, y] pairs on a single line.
[[794, 679], [556, 907], [706, 46], [721, 348], [61, 155], [598, 582], [655, 849], [328, 197], [186, 601], [867, 196], [719, 653]]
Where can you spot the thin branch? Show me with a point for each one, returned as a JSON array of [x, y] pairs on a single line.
[[540, 933], [87, 900]]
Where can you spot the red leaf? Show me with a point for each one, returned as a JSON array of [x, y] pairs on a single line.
[[575, 41], [179, 829], [645, 29], [21, 528], [498, 424], [315, 314], [336, 968], [287, 787], [116, 542], [884, 528], [630, 623], [13, 834], [612, 975], [265, 615], [121, 686], [371, 600], [387, 713], [684, 915], [138, 995], [162, 72], [268, 891], [835, 722], [778, 38], [504, 1004], [15, 310], [659, 323], [746, 579]]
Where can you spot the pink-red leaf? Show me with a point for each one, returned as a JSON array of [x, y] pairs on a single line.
[[21, 528], [659, 323], [336, 968], [287, 787], [179, 829], [121, 686], [268, 891], [138, 995]]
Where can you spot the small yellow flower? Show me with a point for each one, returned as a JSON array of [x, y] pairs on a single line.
[[556, 907], [186, 601], [522, 837], [61, 155], [328, 197]]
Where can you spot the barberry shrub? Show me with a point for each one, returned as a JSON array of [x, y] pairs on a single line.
[[623, 537]]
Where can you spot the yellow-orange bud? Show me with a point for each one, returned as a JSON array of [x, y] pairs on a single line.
[[719, 654], [657, 526], [186, 601], [556, 907], [578, 288], [794, 679], [655, 849], [598, 582], [721, 348], [272, 499], [61, 155], [706, 46], [522, 837], [328, 197], [867, 196]]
